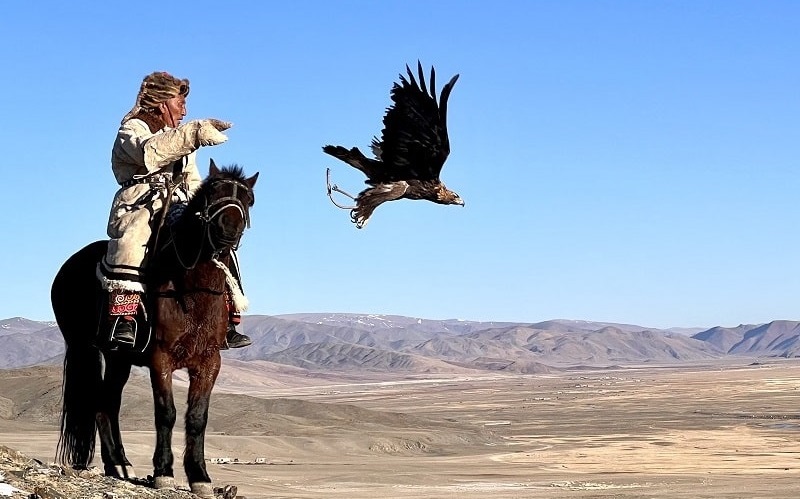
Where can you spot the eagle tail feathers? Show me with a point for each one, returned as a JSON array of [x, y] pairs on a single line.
[[353, 157]]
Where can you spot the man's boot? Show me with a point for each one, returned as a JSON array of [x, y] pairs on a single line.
[[234, 339], [124, 331], [122, 309]]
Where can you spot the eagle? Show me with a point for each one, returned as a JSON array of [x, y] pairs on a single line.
[[410, 153]]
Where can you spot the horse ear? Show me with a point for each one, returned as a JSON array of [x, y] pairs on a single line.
[[252, 180], [213, 171]]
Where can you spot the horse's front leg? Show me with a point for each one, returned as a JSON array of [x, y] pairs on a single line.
[[201, 381], [164, 406]]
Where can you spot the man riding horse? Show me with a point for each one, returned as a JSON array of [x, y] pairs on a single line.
[[153, 160]]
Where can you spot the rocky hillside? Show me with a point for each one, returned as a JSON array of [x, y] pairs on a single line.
[[24, 478]]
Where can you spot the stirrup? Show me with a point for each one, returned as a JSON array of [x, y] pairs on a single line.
[[117, 339]]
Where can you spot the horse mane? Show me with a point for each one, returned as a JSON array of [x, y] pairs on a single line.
[[232, 172], [229, 172]]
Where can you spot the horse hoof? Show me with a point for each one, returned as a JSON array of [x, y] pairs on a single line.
[[123, 471], [164, 482], [228, 492], [204, 490]]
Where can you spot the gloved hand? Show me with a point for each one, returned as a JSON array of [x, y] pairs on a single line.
[[220, 125], [209, 133], [164, 148]]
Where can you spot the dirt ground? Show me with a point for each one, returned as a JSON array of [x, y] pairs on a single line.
[[726, 430]]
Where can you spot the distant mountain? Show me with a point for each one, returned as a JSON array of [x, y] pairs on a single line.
[[775, 339], [375, 342], [342, 343], [27, 346], [778, 337], [724, 338], [573, 326], [606, 345], [376, 322], [17, 325], [321, 356]]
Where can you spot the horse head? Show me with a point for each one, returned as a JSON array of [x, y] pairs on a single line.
[[223, 203]]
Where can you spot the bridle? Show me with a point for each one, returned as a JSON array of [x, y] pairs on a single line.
[[212, 210]]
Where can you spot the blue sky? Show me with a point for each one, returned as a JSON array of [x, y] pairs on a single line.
[[621, 161]]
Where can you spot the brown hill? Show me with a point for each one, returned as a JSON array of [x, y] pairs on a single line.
[[34, 395], [724, 338], [779, 337]]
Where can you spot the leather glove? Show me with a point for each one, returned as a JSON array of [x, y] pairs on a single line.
[[209, 133]]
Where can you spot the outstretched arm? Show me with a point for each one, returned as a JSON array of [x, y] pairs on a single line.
[[157, 150]]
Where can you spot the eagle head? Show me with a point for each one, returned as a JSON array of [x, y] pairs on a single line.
[[446, 196]]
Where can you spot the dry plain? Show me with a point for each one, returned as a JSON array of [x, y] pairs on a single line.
[[728, 429]]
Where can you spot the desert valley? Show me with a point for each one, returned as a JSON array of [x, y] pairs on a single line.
[[362, 407]]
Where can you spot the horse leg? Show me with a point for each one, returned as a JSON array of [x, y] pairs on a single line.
[[164, 406], [115, 462], [201, 382]]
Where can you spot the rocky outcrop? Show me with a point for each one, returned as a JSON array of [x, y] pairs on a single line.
[[24, 478]]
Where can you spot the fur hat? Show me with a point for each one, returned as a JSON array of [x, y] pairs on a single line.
[[156, 88]]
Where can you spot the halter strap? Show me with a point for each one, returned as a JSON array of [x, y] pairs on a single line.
[[210, 211]]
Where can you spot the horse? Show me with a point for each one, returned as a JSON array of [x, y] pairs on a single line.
[[187, 278]]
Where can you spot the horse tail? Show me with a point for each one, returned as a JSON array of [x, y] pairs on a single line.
[[74, 296], [81, 386]]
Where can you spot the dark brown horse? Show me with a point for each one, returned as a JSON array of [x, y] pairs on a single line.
[[186, 284]]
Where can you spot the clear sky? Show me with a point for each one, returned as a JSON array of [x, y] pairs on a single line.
[[621, 161]]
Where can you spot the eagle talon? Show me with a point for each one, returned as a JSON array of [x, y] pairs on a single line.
[[357, 219]]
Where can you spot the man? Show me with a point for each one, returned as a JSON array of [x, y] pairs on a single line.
[[153, 155]]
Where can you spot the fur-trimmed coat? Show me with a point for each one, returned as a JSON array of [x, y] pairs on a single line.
[[151, 161]]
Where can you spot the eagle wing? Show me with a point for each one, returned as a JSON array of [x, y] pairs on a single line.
[[414, 142]]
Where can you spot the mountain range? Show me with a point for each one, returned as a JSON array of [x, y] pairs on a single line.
[[320, 342]]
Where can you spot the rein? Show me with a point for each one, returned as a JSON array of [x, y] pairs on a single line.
[[164, 212]]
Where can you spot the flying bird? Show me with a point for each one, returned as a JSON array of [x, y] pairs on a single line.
[[410, 153]]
